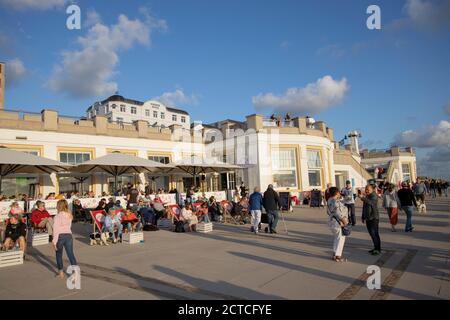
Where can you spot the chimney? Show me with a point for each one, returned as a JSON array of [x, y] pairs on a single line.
[[2, 85]]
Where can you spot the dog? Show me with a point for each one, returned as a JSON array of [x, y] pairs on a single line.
[[422, 208], [98, 239]]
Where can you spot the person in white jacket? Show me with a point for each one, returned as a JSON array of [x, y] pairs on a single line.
[[391, 204], [338, 217]]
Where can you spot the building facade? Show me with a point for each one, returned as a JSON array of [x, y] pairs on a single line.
[[393, 165], [296, 155], [118, 109]]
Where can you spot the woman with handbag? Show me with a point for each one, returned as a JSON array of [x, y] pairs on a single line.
[[338, 222]]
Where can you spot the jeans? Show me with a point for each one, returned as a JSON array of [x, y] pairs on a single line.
[[65, 241], [433, 193], [446, 192], [409, 211], [372, 227], [256, 219], [204, 218], [351, 213], [273, 219], [111, 229]]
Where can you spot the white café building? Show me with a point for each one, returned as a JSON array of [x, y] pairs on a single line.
[[295, 157], [299, 155]]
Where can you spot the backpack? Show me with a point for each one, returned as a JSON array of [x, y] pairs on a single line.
[[179, 226]]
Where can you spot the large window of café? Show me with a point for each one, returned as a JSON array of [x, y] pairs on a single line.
[[284, 168]]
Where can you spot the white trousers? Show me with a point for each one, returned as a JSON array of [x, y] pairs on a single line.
[[338, 238], [256, 218]]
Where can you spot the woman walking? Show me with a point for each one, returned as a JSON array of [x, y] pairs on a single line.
[[62, 236], [338, 217], [391, 204]]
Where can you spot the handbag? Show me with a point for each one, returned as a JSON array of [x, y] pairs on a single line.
[[346, 229]]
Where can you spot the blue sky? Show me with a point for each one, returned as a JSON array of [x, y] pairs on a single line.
[[212, 57]]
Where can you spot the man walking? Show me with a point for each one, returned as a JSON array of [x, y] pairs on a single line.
[[271, 203], [407, 200], [371, 217], [255, 207], [349, 202], [420, 190]]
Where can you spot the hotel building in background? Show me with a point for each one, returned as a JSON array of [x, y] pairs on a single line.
[[298, 155], [122, 110]]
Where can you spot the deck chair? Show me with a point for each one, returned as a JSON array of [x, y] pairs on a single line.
[[228, 208]]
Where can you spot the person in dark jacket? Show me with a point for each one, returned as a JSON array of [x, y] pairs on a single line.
[[15, 232], [407, 201], [255, 207], [271, 203], [371, 217], [110, 204]]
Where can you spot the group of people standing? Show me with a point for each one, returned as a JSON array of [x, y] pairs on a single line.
[[341, 211]]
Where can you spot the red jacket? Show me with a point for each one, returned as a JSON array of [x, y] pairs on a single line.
[[129, 216], [38, 215]]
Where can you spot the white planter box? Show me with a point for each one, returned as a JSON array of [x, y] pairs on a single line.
[[11, 258], [165, 224], [204, 227], [39, 239], [132, 237]]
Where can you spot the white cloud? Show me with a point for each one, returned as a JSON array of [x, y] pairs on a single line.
[[33, 4], [91, 19], [177, 97], [436, 138], [431, 136], [15, 72], [312, 99], [88, 71], [436, 163], [429, 15], [447, 109]]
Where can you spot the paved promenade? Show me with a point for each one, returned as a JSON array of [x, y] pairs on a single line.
[[232, 263]]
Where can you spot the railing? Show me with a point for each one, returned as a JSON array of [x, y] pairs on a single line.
[[278, 123], [21, 113]]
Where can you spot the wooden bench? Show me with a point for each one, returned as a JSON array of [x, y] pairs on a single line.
[[204, 227], [132, 237], [11, 258], [39, 239]]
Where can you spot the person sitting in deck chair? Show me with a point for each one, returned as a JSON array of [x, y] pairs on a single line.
[[130, 221], [113, 224], [41, 219], [202, 213], [188, 217], [214, 209], [15, 233]]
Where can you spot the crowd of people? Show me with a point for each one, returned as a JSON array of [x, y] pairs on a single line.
[[341, 208], [142, 211]]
